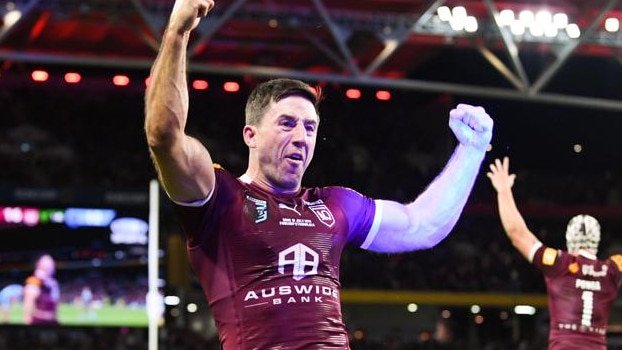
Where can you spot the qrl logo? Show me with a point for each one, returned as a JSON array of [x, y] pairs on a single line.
[[323, 213], [304, 261]]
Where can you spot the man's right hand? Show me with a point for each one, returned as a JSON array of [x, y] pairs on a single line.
[[187, 14], [500, 176]]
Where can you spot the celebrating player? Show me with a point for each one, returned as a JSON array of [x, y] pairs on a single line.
[[581, 288], [265, 248]]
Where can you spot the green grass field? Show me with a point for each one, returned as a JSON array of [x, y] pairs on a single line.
[[104, 315]]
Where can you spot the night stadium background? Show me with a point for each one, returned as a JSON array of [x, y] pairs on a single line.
[[72, 77]]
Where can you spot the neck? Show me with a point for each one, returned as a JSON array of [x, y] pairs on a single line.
[[589, 253], [263, 183]]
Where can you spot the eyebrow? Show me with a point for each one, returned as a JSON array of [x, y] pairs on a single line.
[[306, 121], [292, 117]]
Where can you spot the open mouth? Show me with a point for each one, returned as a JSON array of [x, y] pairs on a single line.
[[295, 157]]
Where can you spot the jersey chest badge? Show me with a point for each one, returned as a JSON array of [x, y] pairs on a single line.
[[322, 212]]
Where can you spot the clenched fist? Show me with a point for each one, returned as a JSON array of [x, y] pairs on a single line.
[[471, 125]]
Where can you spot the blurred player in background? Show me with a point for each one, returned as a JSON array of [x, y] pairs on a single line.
[[581, 288], [41, 293], [86, 303]]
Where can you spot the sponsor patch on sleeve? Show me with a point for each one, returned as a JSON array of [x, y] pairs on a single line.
[[549, 255], [618, 260]]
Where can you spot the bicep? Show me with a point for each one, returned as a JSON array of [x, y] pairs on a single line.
[[185, 170], [396, 231]]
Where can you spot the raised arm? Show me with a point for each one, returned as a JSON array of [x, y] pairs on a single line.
[[513, 223], [432, 215], [183, 164], [31, 293]]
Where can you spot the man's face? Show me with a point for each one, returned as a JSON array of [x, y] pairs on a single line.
[[47, 266], [285, 141]]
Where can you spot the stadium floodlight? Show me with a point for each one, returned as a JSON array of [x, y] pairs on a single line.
[[612, 25], [560, 20], [524, 310], [412, 307], [470, 24], [506, 18], [573, 31], [11, 17], [192, 308], [172, 300], [444, 13]]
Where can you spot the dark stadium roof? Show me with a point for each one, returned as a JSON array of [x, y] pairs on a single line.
[[544, 94], [391, 43]]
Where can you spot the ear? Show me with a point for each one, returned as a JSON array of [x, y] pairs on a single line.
[[248, 133]]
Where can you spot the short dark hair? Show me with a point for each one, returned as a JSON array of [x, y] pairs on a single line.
[[275, 90]]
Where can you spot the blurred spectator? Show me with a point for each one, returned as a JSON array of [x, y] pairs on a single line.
[[359, 340], [441, 338]]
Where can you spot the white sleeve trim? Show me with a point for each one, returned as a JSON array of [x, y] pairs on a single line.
[[373, 231], [533, 250], [197, 203]]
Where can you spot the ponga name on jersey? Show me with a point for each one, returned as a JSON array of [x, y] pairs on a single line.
[[587, 285]]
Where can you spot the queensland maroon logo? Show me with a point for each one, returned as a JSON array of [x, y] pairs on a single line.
[[322, 212]]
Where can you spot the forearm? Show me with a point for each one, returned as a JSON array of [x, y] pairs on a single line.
[[28, 309], [166, 98], [440, 205], [511, 219], [514, 224]]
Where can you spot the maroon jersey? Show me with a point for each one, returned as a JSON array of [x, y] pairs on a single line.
[[269, 265], [46, 304], [581, 290]]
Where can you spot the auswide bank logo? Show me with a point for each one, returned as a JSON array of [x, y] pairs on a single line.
[[302, 260]]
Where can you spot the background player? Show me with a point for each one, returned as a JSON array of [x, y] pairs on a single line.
[[41, 293], [581, 288]]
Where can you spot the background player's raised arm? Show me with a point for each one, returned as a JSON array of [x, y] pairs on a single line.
[[513, 222]]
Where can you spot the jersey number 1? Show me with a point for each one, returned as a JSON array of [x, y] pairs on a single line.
[[588, 308]]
